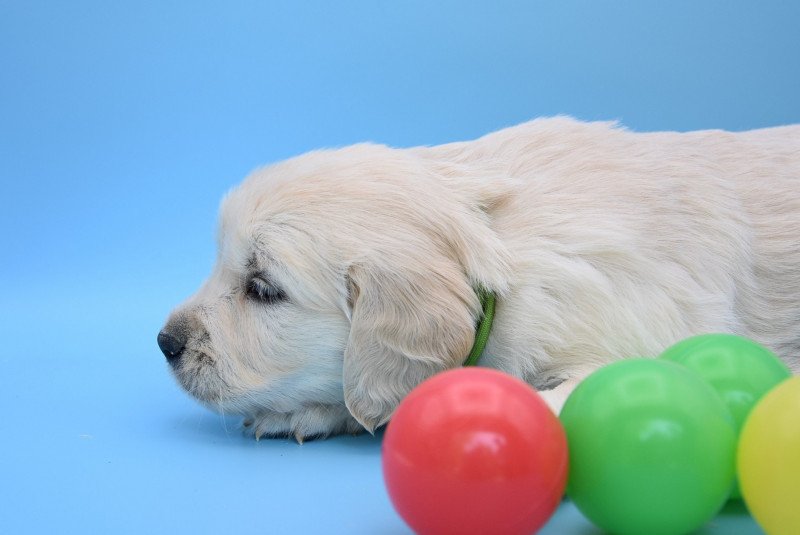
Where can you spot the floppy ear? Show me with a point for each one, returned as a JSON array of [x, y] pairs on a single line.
[[406, 326]]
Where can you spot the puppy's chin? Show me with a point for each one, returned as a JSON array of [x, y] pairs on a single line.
[[267, 414]]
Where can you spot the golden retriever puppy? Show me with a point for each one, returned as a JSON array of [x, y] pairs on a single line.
[[346, 277]]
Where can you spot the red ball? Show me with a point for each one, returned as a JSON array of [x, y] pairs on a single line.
[[475, 450]]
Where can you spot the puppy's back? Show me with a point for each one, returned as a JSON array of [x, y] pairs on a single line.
[[709, 220]]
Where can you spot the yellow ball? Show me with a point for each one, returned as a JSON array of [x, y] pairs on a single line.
[[769, 460]]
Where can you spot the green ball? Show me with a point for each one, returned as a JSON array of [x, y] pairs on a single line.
[[651, 446], [740, 370]]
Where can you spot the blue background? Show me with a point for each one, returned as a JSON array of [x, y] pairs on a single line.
[[123, 123]]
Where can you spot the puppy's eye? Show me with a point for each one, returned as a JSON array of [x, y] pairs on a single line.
[[264, 291]]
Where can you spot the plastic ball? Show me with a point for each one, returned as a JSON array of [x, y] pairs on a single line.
[[474, 451], [651, 448], [739, 369], [769, 460]]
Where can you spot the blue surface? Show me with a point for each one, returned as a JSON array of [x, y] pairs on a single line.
[[123, 123]]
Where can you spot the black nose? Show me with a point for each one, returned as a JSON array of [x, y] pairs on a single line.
[[171, 345]]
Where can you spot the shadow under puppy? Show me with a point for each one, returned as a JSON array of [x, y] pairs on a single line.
[[346, 277]]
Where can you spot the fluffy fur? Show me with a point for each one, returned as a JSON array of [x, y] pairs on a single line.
[[599, 242]]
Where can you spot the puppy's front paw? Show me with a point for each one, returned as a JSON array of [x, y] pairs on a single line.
[[268, 424], [312, 421]]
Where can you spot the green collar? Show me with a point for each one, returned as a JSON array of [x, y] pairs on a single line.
[[483, 328]]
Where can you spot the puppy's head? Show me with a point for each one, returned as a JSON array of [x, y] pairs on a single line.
[[343, 279]]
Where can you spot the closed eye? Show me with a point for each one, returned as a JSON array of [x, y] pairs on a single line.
[[260, 289]]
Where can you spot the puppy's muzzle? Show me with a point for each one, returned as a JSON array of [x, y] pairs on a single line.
[[172, 345]]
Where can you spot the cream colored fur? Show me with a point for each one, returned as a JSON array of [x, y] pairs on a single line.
[[600, 243]]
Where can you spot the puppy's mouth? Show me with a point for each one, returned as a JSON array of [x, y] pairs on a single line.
[[197, 374]]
